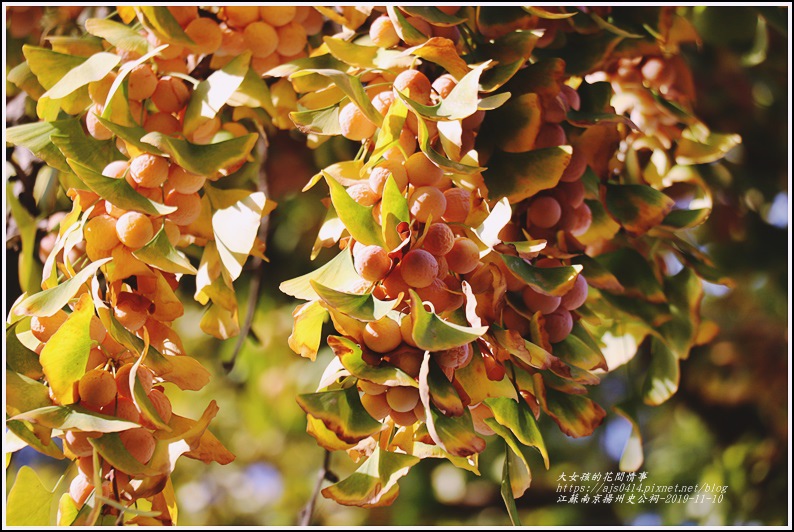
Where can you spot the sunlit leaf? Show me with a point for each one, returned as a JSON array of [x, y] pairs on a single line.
[[576, 415], [365, 56], [28, 502], [235, 224], [637, 208], [692, 150], [36, 138], [364, 307], [75, 418], [443, 394], [307, 327], [518, 176], [318, 121], [406, 31], [463, 100], [19, 358], [507, 492], [663, 376], [432, 333], [632, 457], [357, 218], [374, 483], [474, 380], [203, 159], [160, 19], [531, 354], [352, 87], [350, 356], [118, 191], [340, 411], [112, 449], [552, 281], [161, 254], [213, 93], [338, 273], [94, 68], [119, 35], [516, 416]]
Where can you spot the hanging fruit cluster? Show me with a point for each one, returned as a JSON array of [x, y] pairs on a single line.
[[514, 202], [503, 214]]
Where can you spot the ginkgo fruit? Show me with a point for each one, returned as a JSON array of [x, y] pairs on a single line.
[[240, 16], [371, 262], [544, 212], [422, 172], [439, 239], [376, 405], [382, 32], [382, 335], [279, 15], [100, 232], [419, 268], [97, 388], [139, 443], [183, 181], [206, 35], [354, 124], [188, 207], [458, 204], [464, 255], [291, 39], [414, 85], [171, 94], [261, 38], [162, 405], [134, 229], [149, 170], [144, 375], [380, 174], [141, 82], [539, 302], [402, 398], [426, 203], [576, 296], [559, 325]]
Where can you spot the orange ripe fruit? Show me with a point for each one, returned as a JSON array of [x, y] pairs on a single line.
[[394, 284], [240, 16], [427, 202], [362, 194], [422, 172], [559, 325], [161, 404], [188, 207], [134, 229], [95, 128], [382, 32], [354, 124], [261, 65], [382, 101], [544, 212], [437, 294], [291, 39], [444, 84], [383, 335], [402, 398], [122, 408], [80, 489], [141, 82], [100, 232], [261, 38], [375, 405], [149, 170], [139, 443], [278, 15], [206, 35], [438, 239], [183, 181], [78, 443], [171, 94], [98, 90], [184, 15], [131, 311], [537, 302], [380, 174], [576, 296], [458, 204], [314, 22], [97, 388], [464, 255], [164, 123], [419, 268], [413, 84], [371, 262], [144, 375]]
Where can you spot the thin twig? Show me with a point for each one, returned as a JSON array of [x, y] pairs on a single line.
[[305, 515], [256, 263]]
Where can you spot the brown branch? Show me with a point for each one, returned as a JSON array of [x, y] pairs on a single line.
[[325, 473]]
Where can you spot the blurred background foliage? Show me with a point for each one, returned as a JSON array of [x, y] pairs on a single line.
[[728, 423]]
